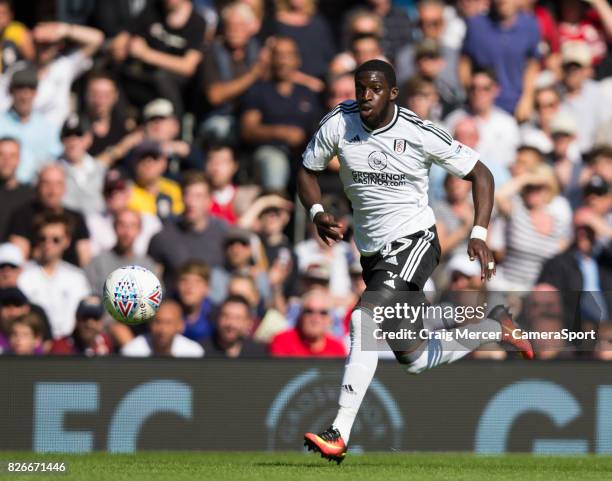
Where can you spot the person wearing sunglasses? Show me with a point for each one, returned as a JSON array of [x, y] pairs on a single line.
[[50, 282], [310, 337]]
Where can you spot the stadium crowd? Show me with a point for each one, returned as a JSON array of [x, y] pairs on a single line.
[[166, 133]]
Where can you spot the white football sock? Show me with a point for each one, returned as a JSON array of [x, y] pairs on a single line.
[[445, 348], [358, 373]]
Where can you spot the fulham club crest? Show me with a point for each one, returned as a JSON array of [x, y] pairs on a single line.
[[399, 146]]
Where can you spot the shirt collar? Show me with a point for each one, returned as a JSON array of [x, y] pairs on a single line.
[[384, 127]]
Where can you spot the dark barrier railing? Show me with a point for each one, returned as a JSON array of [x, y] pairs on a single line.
[[122, 405]]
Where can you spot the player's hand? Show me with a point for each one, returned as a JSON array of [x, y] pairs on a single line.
[[478, 248], [329, 230]]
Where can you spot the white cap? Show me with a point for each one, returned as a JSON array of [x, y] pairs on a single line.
[[11, 254], [462, 263], [563, 123], [158, 108], [576, 51]]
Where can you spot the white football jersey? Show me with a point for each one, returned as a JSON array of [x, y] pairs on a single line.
[[385, 172]]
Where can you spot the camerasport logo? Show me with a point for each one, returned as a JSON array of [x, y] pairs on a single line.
[[308, 403]]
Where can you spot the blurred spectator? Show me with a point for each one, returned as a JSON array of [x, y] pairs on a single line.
[[15, 38], [50, 282], [397, 27], [193, 290], [546, 347], [549, 32], [278, 116], [455, 18], [362, 47], [159, 52], [116, 192], [499, 133], [165, 338], [582, 98], [153, 193], [84, 174], [229, 201], [464, 275], [431, 23], [587, 21], [56, 72], [110, 129], [89, 337], [506, 40], [232, 64], [25, 335], [454, 216], [340, 88], [299, 20], [11, 264], [420, 95], [310, 337], [232, 331], [600, 163], [161, 125], [12, 193], [115, 16], [127, 226], [582, 268], [536, 131], [50, 191], [239, 259], [38, 138], [195, 235], [603, 346], [538, 226], [597, 199], [243, 285]]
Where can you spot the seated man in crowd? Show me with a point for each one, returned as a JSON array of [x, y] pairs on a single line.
[[50, 191], [310, 337], [278, 115], [127, 224], [231, 337], [232, 64], [84, 174], [39, 138], [163, 46], [193, 294], [195, 235], [25, 335], [50, 282], [152, 193], [101, 225], [89, 337], [14, 304], [15, 38], [13, 193], [165, 338]]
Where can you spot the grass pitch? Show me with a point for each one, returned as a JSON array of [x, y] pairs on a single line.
[[194, 466]]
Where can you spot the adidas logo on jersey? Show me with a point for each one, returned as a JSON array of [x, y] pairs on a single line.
[[390, 283], [355, 139], [391, 260]]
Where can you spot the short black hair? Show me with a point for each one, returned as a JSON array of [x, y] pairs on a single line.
[[379, 66]]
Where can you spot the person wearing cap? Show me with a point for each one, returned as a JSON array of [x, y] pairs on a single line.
[[162, 125], [89, 337], [116, 193], [310, 337], [499, 132], [47, 280], [127, 226], [84, 174], [13, 193], [37, 136], [194, 235], [432, 26], [11, 264], [597, 197], [581, 96], [50, 190], [153, 193], [239, 258], [584, 267]]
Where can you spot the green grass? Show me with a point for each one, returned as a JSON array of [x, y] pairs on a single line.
[[193, 466]]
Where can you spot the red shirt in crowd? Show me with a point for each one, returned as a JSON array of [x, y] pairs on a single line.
[[588, 30], [290, 344], [224, 209], [68, 345]]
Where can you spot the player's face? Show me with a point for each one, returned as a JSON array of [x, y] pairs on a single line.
[[375, 97]]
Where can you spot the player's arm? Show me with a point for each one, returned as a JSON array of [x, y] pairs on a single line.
[[319, 151], [483, 188], [310, 195]]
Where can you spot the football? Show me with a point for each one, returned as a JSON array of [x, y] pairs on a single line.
[[132, 294]]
